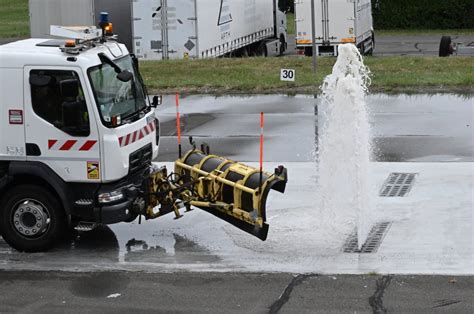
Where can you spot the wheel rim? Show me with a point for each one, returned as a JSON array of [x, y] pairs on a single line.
[[31, 218]]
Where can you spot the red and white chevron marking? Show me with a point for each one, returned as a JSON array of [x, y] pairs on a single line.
[[72, 145], [137, 135]]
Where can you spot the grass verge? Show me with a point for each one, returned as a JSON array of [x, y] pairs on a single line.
[[14, 19], [290, 23], [262, 75]]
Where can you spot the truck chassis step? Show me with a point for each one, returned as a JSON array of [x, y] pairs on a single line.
[[86, 226]]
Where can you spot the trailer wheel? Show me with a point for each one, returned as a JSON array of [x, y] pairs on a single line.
[[369, 52], [445, 46], [32, 219], [262, 50], [282, 45], [371, 40], [244, 53]]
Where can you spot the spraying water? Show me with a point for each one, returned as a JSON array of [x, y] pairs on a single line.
[[345, 189]]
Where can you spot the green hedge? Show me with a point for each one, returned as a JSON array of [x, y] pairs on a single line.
[[286, 5], [426, 14]]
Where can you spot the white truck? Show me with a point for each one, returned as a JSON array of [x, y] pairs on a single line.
[[78, 134], [177, 29], [336, 22]]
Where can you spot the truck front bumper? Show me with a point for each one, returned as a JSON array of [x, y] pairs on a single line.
[[115, 213], [122, 209]]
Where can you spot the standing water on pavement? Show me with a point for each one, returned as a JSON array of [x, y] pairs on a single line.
[[346, 199]]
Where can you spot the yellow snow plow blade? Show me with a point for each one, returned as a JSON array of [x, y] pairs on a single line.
[[229, 190]]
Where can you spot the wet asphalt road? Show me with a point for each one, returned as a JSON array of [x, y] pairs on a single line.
[[405, 128], [418, 128], [120, 292]]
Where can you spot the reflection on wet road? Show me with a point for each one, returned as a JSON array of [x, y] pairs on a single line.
[[405, 128], [100, 249], [185, 251]]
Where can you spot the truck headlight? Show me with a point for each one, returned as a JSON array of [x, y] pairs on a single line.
[[110, 197]]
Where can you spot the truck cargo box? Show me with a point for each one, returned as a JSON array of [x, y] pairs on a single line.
[[175, 29], [337, 22]]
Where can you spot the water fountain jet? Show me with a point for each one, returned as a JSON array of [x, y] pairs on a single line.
[[345, 189]]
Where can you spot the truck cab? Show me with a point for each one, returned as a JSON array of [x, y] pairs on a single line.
[[77, 127], [78, 134]]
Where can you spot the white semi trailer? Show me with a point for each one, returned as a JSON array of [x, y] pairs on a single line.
[[336, 22], [176, 29]]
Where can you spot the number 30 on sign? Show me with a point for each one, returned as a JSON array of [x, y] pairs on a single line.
[[287, 75]]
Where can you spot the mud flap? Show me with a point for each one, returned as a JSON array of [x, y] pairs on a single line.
[[232, 191]]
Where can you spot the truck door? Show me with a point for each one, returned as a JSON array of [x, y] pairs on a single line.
[[59, 126], [363, 21], [165, 29], [181, 29], [341, 20]]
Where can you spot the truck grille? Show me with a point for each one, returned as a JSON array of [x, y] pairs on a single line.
[[140, 158]]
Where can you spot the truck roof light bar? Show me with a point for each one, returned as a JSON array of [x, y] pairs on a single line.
[[80, 38], [81, 33]]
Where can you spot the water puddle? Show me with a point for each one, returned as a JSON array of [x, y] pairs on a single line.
[[404, 127]]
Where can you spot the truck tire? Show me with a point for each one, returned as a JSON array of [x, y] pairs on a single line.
[[282, 45], [371, 40], [445, 46], [31, 218], [262, 50]]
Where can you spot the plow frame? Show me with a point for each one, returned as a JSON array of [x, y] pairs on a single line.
[[190, 185]]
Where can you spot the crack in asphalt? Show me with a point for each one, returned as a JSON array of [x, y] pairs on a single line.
[[285, 296], [443, 303], [376, 300]]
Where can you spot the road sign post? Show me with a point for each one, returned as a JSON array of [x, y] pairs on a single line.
[[313, 35]]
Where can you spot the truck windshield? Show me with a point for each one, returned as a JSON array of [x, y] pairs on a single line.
[[117, 99]]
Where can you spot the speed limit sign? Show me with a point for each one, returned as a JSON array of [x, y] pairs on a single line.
[[287, 75]]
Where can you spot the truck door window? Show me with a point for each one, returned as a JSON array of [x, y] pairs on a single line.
[[57, 97]]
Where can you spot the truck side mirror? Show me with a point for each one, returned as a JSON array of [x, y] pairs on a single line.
[[125, 76], [157, 101], [135, 61], [69, 88]]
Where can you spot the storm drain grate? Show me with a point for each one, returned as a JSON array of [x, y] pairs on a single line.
[[398, 184], [373, 241]]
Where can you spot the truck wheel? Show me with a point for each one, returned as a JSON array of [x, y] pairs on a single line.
[[262, 50], [369, 52], [445, 46], [132, 218], [282, 45], [32, 219], [244, 52]]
